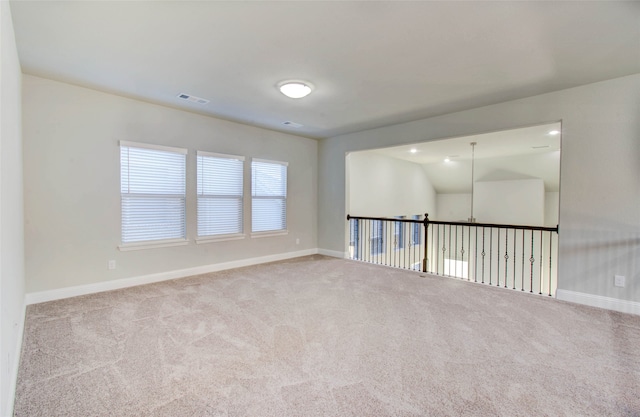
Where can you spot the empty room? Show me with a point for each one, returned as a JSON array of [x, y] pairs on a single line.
[[319, 208]]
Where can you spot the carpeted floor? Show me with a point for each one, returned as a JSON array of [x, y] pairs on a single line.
[[319, 336]]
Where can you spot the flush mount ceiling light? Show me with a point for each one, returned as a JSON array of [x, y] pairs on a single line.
[[413, 150], [295, 89], [554, 132]]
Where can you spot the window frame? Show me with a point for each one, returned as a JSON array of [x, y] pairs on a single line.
[[398, 234], [377, 240], [153, 243], [416, 231], [274, 232], [223, 236], [354, 237]]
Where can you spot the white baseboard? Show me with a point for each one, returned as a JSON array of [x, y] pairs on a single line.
[[57, 294], [16, 362], [623, 306], [332, 253]]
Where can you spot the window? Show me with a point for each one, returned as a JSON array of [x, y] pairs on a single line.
[[398, 233], [377, 237], [354, 238], [416, 231], [220, 194], [152, 190], [269, 196]]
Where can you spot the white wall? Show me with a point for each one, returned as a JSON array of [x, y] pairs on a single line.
[[600, 175], [551, 204], [380, 186], [453, 207], [72, 195], [509, 202], [456, 207], [12, 281]]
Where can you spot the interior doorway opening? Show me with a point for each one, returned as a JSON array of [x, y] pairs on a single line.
[[508, 178]]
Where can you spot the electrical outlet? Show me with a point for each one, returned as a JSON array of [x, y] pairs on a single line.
[[618, 280], [111, 264]]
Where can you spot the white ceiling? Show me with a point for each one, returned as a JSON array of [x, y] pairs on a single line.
[[372, 63], [525, 153]]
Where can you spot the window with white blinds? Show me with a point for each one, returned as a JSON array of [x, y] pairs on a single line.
[[220, 194], [269, 196], [152, 190]]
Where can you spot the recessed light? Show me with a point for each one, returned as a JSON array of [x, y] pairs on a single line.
[[554, 132], [413, 150], [447, 160], [295, 89]]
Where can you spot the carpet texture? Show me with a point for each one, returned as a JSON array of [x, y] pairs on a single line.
[[319, 336]]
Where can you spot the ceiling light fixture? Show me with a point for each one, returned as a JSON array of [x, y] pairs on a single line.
[[413, 150], [447, 160], [554, 132], [295, 89]]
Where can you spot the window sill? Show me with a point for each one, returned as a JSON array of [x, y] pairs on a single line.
[[153, 244], [219, 238], [258, 235]]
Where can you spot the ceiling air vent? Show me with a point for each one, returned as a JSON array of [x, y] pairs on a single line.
[[193, 99]]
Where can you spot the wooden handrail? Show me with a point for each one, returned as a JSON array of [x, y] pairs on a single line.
[[498, 226]]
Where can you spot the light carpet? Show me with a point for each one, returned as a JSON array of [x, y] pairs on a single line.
[[319, 336]]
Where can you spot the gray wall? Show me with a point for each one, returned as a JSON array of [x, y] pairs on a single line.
[[12, 280], [600, 175], [72, 184]]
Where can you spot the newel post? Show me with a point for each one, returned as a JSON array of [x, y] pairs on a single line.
[[425, 222]]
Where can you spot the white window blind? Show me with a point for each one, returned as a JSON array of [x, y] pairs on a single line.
[[152, 189], [220, 194], [269, 196]]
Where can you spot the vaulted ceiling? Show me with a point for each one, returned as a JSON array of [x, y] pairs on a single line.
[[371, 63], [515, 154]]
